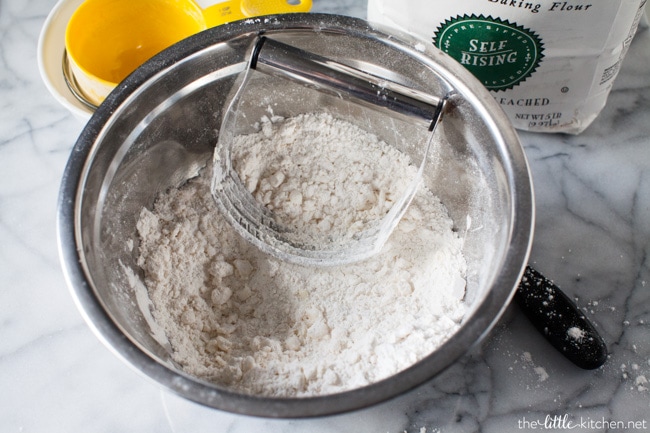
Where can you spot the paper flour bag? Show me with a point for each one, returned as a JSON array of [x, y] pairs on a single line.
[[550, 64]]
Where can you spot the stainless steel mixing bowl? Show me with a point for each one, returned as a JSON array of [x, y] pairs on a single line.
[[159, 127]]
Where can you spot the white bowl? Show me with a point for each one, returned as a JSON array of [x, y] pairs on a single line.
[[51, 48]]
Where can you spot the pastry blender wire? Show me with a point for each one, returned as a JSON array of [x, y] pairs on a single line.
[[258, 224]]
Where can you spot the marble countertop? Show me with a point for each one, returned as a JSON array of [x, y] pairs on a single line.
[[592, 238]]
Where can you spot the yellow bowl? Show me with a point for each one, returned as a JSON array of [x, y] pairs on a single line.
[[106, 40]]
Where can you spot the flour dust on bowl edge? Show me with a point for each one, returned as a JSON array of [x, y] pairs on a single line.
[[158, 129]]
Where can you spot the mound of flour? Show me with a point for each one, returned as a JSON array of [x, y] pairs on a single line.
[[319, 176], [244, 320]]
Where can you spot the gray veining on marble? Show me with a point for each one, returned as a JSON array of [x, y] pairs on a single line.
[[592, 238]]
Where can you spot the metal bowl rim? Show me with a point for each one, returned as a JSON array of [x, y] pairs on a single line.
[[483, 319]]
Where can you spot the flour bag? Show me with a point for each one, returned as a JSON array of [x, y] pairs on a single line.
[[549, 64]]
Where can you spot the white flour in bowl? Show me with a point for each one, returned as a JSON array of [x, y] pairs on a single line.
[[319, 176], [245, 320]]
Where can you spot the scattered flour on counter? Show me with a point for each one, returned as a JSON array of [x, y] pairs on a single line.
[[245, 320], [637, 375], [641, 383], [542, 375]]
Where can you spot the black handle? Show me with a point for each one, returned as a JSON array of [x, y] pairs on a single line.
[[560, 320], [328, 76]]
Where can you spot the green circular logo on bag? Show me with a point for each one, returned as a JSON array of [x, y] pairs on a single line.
[[498, 53]]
